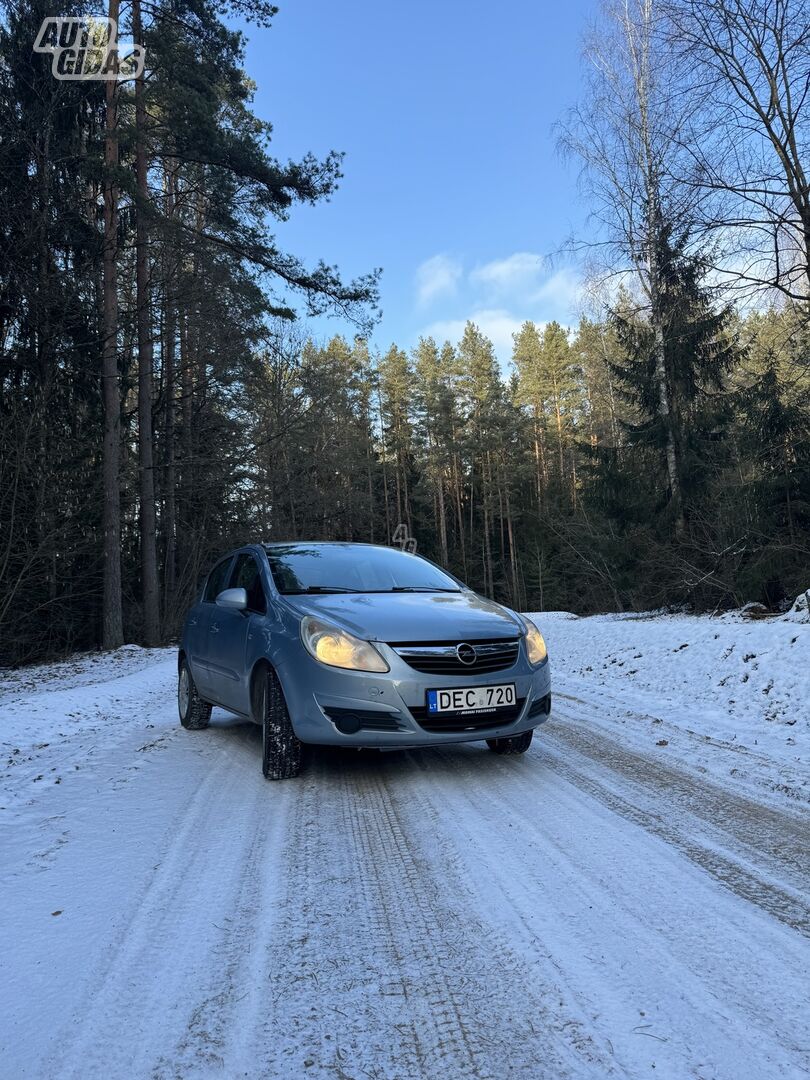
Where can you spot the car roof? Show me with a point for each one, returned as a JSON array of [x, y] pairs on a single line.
[[270, 545]]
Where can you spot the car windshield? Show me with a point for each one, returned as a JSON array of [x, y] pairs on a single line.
[[325, 568]]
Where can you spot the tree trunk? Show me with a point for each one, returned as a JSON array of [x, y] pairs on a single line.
[[560, 443], [654, 223], [614, 423], [442, 518], [665, 412], [369, 478], [517, 598], [486, 495], [170, 333], [384, 472], [112, 631], [538, 459], [149, 572], [170, 523], [184, 497], [406, 496], [459, 508], [665, 405]]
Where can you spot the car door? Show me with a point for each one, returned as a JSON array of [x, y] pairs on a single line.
[[195, 640], [204, 670], [229, 631]]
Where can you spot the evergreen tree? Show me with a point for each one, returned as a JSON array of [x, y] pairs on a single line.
[[698, 354], [433, 409], [395, 376]]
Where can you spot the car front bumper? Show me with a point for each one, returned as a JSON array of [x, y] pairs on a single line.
[[331, 706]]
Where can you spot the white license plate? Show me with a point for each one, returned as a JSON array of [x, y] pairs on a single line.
[[471, 699]]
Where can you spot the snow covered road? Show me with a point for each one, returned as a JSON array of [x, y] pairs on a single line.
[[603, 907]]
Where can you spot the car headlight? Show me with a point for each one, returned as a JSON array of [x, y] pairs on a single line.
[[338, 648], [535, 644]]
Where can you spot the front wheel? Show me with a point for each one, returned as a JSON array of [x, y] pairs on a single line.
[[282, 750], [513, 744], [194, 712]]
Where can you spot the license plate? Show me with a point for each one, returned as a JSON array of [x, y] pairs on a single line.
[[471, 699]]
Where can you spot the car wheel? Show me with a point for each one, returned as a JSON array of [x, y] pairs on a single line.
[[514, 744], [282, 750], [194, 712]]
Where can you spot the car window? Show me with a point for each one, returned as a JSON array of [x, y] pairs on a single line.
[[298, 568], [246, 576], [217, 581]]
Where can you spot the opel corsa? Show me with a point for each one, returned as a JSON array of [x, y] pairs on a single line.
[[358, 645]]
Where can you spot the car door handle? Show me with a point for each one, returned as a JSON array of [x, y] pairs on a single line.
[[214, 629], [192, 622]]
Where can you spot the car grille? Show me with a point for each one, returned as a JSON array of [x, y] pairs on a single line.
[[441, 658], [457, 722]]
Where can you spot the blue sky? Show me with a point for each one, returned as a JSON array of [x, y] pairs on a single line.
[[452, 183]]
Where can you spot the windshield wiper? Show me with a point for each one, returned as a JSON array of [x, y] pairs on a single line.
[[320, 589], [420, 588], [342, 589]]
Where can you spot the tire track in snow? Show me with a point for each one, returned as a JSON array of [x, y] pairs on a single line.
[[749, 771], [215, 1035], [425, 914], [634, 942], [480, 830], [741, 843], [164, 948], [380, 965]]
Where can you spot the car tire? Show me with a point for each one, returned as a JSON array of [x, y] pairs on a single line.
[[513, 744], [282, 750], [194, 712]]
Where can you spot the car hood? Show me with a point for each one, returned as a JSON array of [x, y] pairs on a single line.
[[412, 617]]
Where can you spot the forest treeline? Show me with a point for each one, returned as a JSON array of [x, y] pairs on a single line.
[[546, 486], [159, 403]]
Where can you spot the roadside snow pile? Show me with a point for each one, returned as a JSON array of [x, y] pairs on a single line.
[[88, 692], [800, 612], [81, 669], [682, 682]]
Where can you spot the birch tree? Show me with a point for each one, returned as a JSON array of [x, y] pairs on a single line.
[[628, 134], [749, 65]]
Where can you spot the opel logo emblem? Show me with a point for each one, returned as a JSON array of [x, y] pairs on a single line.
[[466, 653]]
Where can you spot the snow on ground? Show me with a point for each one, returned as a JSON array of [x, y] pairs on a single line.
[[55, 718], [800, 611], [730, 696], [630, 899]]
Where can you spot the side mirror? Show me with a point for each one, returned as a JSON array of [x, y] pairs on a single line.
[[233, 600]]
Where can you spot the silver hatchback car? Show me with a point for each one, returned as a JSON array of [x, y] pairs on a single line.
[[358, 645]]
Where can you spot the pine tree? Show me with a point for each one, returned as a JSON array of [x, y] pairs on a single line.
[[481, 388], [395, 376], [694, 359], [527, 357]]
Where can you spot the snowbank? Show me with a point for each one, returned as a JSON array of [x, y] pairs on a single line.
[[800, 612], [694, 685], [81, 669], [90, 693]]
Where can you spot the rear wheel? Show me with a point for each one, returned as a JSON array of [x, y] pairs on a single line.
[[194, 712], [282, 750], [514, 744]]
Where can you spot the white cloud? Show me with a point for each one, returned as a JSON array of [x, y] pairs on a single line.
[[515, 273], [559, 296], [523, 278], [497, 324], [500, 296], [437, 276]]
